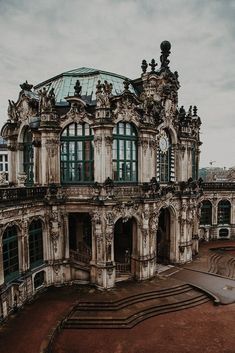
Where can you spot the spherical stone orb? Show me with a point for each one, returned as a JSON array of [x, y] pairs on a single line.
[[165, 45]]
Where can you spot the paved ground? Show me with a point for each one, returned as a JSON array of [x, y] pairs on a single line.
[[205, 329], [25, 332], [222, 289]]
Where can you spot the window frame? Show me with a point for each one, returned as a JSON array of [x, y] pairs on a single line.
[[124, 157], [224, 212], [35, 244], [206, 205], [74, 170], [10, 246]]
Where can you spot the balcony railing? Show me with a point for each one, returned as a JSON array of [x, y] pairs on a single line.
[[82, 257], [213, 186], [123, 268], [22, 194]]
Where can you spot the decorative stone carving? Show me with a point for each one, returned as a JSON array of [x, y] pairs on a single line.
[[46, 100], [126, 210], [12, 111], [144, 142], [110, 218], [108, 141], [77, 112], [22, 177], [103, 94], [3, 178], [125, 107], [98, 142], [52, 147], [55, 226]]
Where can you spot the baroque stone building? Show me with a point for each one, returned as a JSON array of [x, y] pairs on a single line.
[[103, 180]]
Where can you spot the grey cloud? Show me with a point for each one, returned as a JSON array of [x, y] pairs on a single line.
[[43, 38]]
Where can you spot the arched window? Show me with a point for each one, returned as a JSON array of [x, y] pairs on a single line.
[[35, 244], [10, 254], [206, 213], [124, 153], [164, 159], [28, 156], [77, 156], [224, 210]]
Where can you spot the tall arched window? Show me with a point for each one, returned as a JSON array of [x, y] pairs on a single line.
[[28, 156], [10, 254], [164, 158], [224, 211], [124, 153], [206, 213], [77, 156], [35, 244]]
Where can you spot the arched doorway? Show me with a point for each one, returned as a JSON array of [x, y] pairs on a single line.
[[163, 236], [80, 237], [123, 245]]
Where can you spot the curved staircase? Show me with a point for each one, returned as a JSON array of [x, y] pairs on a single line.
[[131, 310]]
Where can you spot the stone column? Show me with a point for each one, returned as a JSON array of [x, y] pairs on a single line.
[[103, 140], [102, 263], [12, 162], [146, 155], [66, 235], [23, 247], [37, 158]]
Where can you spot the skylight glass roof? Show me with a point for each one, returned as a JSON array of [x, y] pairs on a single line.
[[64, 84]]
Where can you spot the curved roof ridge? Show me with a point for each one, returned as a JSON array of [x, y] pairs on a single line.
[[88, 71]]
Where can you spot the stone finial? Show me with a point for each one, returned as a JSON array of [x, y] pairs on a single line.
[[194, 110], [165, 48], [152, 64], [144, 66], [12, 111], [77, 89], [190, 111], [182, 112], [98, 87], [176, 75], [107, 87], [26, 86], [126, 84]]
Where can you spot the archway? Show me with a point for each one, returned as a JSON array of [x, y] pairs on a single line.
[[80, 237], [123, 245], [163, 236]]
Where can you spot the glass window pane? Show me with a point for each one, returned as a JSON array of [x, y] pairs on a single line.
[[71, 130], [121, 149], [79, 130], [121, 128], [128, 129], [79, 150], [128, 150]]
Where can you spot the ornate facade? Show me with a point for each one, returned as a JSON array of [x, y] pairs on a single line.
[[217, 219], [103, 181]]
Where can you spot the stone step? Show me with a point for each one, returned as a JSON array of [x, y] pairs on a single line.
[[136, 316], [121, 303]]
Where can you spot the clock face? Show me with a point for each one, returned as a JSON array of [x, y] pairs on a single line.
[[163, 144]]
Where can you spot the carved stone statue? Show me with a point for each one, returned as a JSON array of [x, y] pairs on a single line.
[[12, 111], [46, 100]]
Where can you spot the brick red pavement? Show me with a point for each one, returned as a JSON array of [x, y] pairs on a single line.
[[25, 332], [203, 329]]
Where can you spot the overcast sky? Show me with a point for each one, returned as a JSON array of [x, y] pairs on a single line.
[[42, 38]]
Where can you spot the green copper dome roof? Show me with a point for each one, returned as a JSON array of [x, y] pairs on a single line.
[[64, 83]]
